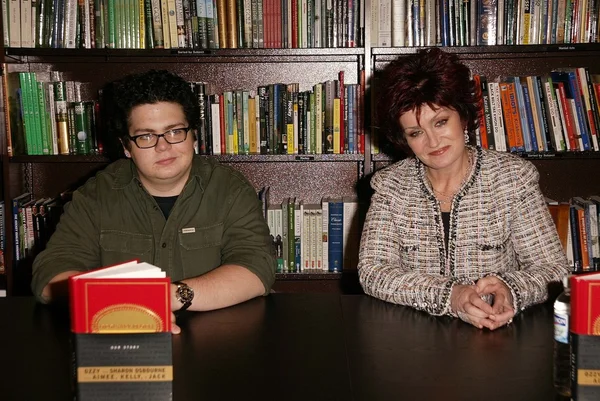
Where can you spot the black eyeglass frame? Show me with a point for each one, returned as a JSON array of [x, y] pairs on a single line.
[[158, 136]]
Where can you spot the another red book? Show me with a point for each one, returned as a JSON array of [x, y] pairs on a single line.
[[130, 297], [585, 337]]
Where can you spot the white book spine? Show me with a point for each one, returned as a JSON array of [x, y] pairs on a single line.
[[325, 243], [215, 118], [305, 254], [375, 23], [398, 22], [319, 119], [562, 119], [318, 239], [497, 119], [70, 32], [316, 26], [87, 35], [384, 34], [593, 216], [26, 39], [14, 24], [247, 22], [554, 122]]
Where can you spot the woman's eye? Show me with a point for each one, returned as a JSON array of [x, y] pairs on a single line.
[[414, 134], [441, 123]]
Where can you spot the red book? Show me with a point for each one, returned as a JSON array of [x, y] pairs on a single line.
[[130, 297], [585, 304], [584, 337]]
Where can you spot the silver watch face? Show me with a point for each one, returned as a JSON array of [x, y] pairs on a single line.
[[185, 293]]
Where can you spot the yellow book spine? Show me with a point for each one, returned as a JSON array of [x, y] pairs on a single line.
[[336, 126]]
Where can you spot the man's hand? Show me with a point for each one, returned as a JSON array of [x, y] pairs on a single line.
[[466, 302], [502, 307]]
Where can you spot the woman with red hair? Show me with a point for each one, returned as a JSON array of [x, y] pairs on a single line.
[[453, 229]]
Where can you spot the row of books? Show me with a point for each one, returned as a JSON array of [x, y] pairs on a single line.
[[577, 224], [183, 24], [281, 119], [557, 112], [477, 23], [49, 116], [315, 238], [34, 221]]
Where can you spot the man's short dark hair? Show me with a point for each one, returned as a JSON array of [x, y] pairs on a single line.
[[120, 97]]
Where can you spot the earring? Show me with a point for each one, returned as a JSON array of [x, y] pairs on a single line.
[[466, 136], [127, 154]]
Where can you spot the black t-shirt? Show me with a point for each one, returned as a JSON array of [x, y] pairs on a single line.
[[166, 203], [446, 221]]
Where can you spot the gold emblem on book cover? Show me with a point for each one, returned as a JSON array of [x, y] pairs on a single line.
[[596, 327], [126, 318]]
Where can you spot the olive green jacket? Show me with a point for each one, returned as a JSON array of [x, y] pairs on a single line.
[[216, 220]]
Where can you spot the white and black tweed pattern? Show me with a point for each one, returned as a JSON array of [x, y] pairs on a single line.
[[499, 225]]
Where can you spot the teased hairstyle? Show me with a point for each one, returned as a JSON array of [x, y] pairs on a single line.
[[431, 77], [153, 86]]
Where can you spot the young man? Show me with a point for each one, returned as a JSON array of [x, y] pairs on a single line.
[[199, 221]]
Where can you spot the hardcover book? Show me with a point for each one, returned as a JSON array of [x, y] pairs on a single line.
[[585, 337], [121, 325]]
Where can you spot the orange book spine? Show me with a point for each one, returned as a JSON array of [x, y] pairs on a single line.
[[508, 109], [583, 240]]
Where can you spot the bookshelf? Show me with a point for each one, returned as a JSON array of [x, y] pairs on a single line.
[[308, 177]]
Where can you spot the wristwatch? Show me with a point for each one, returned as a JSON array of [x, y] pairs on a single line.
[[184, 294]]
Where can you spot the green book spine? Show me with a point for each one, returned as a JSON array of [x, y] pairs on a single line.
[[82, 129], [149, 30], [35, 114], [119, 14], [239, 110], [71, 127], [62, 117], [43, 118], [27, 113], [111, 25], [99, 21]]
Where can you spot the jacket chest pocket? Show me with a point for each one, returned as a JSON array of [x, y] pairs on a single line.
[[201, 249], [120, 246]]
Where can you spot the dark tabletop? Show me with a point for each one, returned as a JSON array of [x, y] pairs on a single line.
[[304, 347]]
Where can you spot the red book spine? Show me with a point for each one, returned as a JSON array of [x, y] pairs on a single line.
[[585, 304]]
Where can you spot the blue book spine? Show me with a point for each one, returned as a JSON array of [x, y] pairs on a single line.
[[536, 146], [524, 125], [336, 236]]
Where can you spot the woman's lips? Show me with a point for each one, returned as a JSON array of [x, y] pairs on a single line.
[[439, 151]]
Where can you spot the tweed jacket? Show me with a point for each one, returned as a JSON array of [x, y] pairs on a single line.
[[499, 226]]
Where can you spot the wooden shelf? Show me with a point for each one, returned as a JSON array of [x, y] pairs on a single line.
[[27, 55], [382, 157], [221, 158], [555, 50], [59, 159], [309, 276]]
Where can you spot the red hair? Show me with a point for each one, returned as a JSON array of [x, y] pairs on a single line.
[[430, 77]]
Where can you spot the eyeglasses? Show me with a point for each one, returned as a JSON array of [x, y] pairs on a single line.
[[172, 136]]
